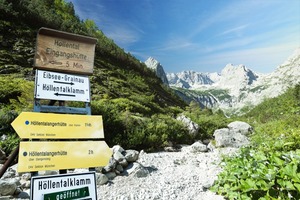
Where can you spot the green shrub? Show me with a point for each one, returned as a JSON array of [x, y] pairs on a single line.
[[10, 143], [260, 175], [155, 132]]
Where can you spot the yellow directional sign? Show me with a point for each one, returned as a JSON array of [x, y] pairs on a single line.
[[40, 156], [58, 126]]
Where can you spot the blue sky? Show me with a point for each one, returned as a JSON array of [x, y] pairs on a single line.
[[200, 35]]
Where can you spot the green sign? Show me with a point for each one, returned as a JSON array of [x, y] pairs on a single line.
[[68, 194]]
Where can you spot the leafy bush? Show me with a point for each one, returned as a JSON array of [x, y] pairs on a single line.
[[6, 118], [260, 175], [155, 132], [9, 144]]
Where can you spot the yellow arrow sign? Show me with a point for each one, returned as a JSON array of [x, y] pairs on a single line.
[[58, 126], [40, 156]]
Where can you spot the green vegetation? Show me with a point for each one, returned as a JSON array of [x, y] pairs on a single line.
[[207, 120], [270, 167], [140, 112]]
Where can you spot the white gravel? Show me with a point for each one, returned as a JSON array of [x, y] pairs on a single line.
[[173, 175]]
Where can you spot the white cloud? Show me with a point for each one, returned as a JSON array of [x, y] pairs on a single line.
[[264, 59]]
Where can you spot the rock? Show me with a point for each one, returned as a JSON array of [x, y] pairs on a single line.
[[131, 155], [240, 127], [124, 163], [110, 166], [26, 176], [49, 172], [101, 179], [25, 180], [210, 146], [198, 147], [136, 170], [142, 172], [191, 126], [98, 169], [25, 184], [171, 149], [10, 173], [7, 187], [23, 195], [117, 148], [118, 156], [227, 138], [119, 168], [207, 184], [111, 175]]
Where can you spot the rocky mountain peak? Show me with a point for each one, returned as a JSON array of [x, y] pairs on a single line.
[[231, 69], [236, 77], [153, 64]]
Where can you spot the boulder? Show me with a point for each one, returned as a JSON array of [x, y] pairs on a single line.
[[110, 166], [240, 127], [118, 156], [7, 187], [190, 125], [198, 147], [117, 148], [23, 195], [101, 179], [131, 155], [111, 175], [228, 138], [11, 172], [136, 169]]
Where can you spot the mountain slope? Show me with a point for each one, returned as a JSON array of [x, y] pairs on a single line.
[[123, 90], [116, 73]]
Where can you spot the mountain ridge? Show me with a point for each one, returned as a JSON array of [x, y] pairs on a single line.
[[236, 86]]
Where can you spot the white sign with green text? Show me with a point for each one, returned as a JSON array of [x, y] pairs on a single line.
[[64, 187]]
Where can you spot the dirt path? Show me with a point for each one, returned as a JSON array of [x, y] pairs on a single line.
[[173, 175]]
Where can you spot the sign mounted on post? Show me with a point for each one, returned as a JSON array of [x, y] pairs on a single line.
[[54, 155], [64, 187], [59, 86], [36, 125], [61, 51]]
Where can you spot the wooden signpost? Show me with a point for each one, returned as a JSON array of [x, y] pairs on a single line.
[[61, 51], [63, 61]]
